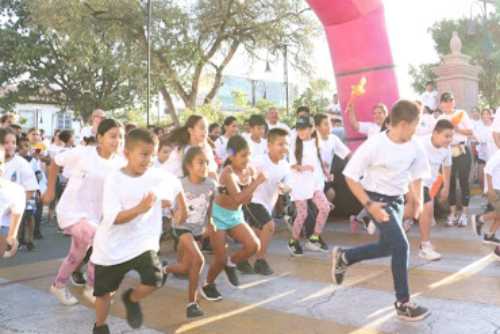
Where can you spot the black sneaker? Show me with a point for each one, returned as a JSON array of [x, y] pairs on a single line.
[[133, 310], [411, 312], [477, 225], [232, 276], [38, 236], [210, 292], [339, 266], [245, 268], [206, 247], [324, 246], [193, 310], [491, 239], [30, 246], [104, 329], [295, 248], [78, 279], [262, 267]]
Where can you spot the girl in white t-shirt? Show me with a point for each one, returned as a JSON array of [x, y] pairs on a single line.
[[80, 208], [230, 129], [307, 181], [193, 133]]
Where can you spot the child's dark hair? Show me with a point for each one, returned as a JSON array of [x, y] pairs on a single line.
[[180, 136], [442, 125], [299, 148], [256, 120], [235, 145], [276, 133], [22, 139], [385, 124], [4, 132], [404, 110], [192, 153], [65, 136], [129, 127], [106, 125], [138, 136], [303, 109], [227, 122], [164, 141], [318, 118], [213, 126]]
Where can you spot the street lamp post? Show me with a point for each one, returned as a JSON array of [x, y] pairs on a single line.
[[285, 72], [148, 89]]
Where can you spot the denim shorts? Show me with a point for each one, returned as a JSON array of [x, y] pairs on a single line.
[[224, 219], [4, 231]]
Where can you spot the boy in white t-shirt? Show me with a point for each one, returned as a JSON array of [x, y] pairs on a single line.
[[437, 149], [255, 138], [379, 181], [12, 202], [258, 213], [492, 172], [128, 236]]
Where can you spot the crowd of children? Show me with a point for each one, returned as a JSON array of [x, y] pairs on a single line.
[[115, 190]]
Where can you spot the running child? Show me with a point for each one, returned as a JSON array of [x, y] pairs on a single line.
[[237, 184], [379, 182], [256, 137], [129, 233]]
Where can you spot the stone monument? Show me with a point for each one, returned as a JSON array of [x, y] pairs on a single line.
[[457, 75]]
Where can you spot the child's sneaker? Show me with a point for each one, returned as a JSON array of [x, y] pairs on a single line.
[[452, 221], [104, 329], [63, 295], [313, 244], [339, 266], [193, 310], [477, 225], [133, 310], [428, 253], [462, 221], [210, 292], [295, 248], [411, 312], [491, 239], [245, 268]]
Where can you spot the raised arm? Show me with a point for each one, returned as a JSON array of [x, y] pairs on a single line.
[[353, 120]]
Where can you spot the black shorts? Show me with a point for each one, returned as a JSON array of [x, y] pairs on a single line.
[[427, 195], [328, 185], [109, 278], [256, 215], [178, 232]]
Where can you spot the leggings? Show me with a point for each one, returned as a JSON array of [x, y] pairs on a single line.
[[323, 207], [82, 236], [460, 168]]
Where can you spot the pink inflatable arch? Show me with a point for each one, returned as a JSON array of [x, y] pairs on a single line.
[[359, 47]]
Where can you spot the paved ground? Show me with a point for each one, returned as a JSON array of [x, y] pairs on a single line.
[[463, 291]]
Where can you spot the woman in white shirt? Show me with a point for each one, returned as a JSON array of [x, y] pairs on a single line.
[[307, 181], [230, 129], [193, 133], [80, 207]]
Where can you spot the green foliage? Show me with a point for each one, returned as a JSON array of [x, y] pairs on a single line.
[[315, 96], [421, 75]]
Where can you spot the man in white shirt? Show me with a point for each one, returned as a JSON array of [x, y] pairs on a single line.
[[368, 128], [91, 131], [335, 108], [379, 181], [255, 137], [272, 119], [430, 96]]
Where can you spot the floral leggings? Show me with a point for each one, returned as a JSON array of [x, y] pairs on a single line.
[[323, 207], [82, 237]]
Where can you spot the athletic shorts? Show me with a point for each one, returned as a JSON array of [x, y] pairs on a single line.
[[224, 219], [256, 215], [109, 278], [178, 232], [328, 185], [427, 196]]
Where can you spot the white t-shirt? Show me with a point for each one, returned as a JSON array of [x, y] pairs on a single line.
[[386, 167], [304, 184], [118, 243], [12, 200], [426, 125], [369, 128], [86, 132], [430, 99], [221, 148], [267, 193], [465, 124], [437, 157], [256, 149], [278, 125], [173, 164], [331, 147], [493, 168], [82, 197], [19, 171], [487, 146], [496, 122]]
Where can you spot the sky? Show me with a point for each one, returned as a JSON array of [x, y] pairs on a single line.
[[407, 23]]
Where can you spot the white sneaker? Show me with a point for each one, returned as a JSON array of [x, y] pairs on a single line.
[[452, 220], [312, 246], [463, 220], [63, 295], [434, 223], [372, 228], [428, 253], [88, 294]]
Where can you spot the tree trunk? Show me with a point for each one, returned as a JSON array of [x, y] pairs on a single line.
[[170, 105]]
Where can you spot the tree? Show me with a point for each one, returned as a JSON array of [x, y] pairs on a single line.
[[87, 71], [191, 39], [421, 75], [481, 46], [315, 96]]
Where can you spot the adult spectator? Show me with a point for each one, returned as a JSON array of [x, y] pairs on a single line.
[[273, 120], [430, 96], [89, 133]]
